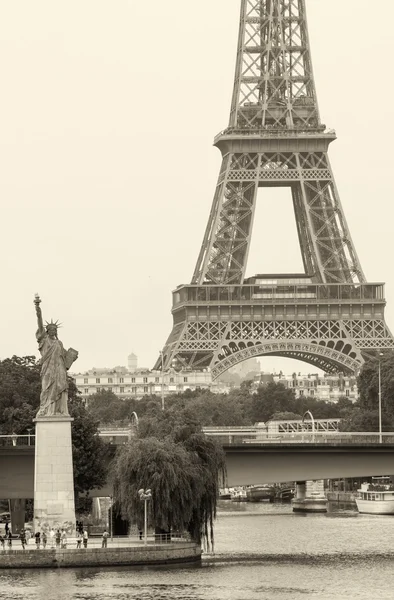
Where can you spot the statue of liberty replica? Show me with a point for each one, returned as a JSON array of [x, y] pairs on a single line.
[[55, 362], [53, 473]]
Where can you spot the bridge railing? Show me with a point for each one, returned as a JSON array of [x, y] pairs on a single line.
[[17, 440], [236, 437]]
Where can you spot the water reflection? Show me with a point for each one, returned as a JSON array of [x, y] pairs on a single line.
[[262, 551]]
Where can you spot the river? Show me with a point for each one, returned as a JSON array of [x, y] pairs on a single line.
[[262, 552]]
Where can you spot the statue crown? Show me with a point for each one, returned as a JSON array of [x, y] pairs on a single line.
[[52, 324]]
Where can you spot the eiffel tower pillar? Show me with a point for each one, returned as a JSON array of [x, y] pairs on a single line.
[[329, 315]]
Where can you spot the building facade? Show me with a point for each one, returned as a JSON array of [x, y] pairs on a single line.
[[142, 382], [323, 387]]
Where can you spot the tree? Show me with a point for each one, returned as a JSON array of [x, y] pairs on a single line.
[[272, 398], [180, 465], [365, 420], [20, 387], [368, 383]]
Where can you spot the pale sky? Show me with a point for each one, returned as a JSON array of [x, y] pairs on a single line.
[[108, 110]]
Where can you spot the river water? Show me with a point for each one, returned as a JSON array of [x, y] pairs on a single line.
[[262, 552]]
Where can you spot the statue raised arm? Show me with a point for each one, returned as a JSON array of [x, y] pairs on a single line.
[[55, 362]]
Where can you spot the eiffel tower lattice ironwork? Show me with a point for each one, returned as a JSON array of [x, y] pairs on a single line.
[[329, 316]]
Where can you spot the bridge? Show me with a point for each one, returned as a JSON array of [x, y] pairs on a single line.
[[252, 456]]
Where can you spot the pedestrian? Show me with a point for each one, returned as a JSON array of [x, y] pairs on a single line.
[[52, 537], [105, 538], [38, 539], [44, 539], [64, 539], [58, 537], [6, 529], [79, 539], [140, 534], [9, 537], [85, 538], [2, 542], [22, 536]]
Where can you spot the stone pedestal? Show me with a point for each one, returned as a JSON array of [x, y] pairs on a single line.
[[310, 497], [53, 475]]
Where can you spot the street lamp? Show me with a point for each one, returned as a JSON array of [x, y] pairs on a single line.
[[28, 433], [308, 412], [162, 379], [380, 401], [145, 495]]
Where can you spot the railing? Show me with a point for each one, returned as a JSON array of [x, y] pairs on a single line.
[[341, 438], [275, 133], [17, 440], [266, 293]]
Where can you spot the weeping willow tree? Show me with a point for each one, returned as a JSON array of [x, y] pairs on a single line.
[[182, 467]]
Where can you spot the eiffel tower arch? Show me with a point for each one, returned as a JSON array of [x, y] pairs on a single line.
[[328, 316]]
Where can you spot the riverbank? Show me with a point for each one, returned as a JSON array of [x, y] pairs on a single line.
[[121, 555]]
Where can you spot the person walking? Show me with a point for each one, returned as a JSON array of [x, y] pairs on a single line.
[[2, 542], [9, 538], [105, 538], [22, 537], [85, 538], [58, 537], [79, 539], [52, 537], [6, 528], [64, 539], [38, 539], [44, 539]]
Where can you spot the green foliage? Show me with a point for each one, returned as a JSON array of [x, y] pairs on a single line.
[[180, 465], [20, 388], [365, 420], [368, 383]]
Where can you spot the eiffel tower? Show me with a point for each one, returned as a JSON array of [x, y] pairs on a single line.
[[329, 316]]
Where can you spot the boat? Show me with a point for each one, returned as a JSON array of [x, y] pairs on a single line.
[[376, 498], [239, 495], [285, 494], [224, 494], [260, 493]]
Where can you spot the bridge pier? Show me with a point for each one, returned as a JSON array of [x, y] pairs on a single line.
[[17, 508], [310, 497]]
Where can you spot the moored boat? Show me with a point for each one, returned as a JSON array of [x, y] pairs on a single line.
[[260, 493], [239, 496], [376, 498]]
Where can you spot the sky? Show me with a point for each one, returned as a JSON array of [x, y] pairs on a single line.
[[107, 116]]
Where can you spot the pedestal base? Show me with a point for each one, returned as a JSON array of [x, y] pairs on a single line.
[[53, 475]]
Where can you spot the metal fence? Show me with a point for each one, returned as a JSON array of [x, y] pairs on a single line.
[[236, 437], [17, 440]]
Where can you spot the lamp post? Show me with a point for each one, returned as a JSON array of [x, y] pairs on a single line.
[[162, 379], [111, 529], [380, 400], [308, 412], [145, 495], [28, 433]]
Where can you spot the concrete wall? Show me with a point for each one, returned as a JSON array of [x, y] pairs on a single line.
[[95, 557]]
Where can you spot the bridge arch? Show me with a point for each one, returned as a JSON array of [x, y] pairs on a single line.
[[329, 357]]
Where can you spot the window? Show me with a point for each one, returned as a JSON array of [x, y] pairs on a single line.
[[86, 380], [121, 380], [185, 380], [110, 380], [311, 392], [98, 380], [157, 380], [171, 380], [301, 392], [134, 390], [86, 390], [145, 380], [133, 380], [347, 392], [110, 389], [122, 390], [97, 390], [145, 388]]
